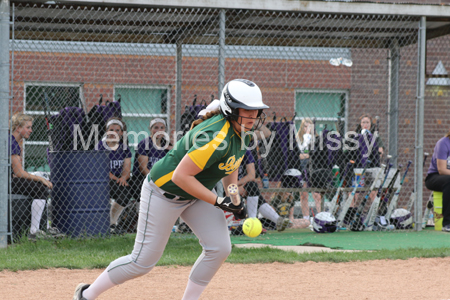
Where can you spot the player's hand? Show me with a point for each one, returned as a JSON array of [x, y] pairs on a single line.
[[46, 182], [241, 190], [226, 204], [241, 215], [122, 181]]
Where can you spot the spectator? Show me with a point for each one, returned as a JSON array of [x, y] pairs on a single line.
[[120, 169], [28, 184], [304, 138], [284, 201], [149, 151], [366, 124], [304, 141], [249, 188], [438, 177]]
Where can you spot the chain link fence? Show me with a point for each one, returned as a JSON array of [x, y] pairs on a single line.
[[105, 81]]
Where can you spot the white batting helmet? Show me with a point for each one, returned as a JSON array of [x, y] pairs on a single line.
[[241, 93]]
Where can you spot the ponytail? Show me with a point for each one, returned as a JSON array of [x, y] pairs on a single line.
[[205, 117]]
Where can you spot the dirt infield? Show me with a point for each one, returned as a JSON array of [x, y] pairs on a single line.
[[381, 279]]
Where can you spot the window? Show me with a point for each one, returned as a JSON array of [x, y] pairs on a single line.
[[139, 105], [326, 107], [58, 97]]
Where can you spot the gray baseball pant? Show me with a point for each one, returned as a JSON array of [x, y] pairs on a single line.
[[157, 215]]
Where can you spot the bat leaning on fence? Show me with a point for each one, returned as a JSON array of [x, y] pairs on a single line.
[[372, 214], [350, 198], [334, 202], [357, 223], [384, 200], [428, 209], [394, 202]]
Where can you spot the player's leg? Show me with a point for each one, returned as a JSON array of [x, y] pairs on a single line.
[[135, 183], [252, 198], [441, 183], [318, 201], [209, 225], [157, 216], [304, 202], [39, 193], [116, 209], [121, 195]]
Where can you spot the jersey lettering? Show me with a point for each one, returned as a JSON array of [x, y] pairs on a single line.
[[231, 165], [115, 164], [153, 160]]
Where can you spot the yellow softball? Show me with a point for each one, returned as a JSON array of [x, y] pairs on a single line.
[[252, 227]]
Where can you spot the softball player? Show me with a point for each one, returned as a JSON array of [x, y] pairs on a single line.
[[119, 169], [181, 185], [149, 151], [28, 184]]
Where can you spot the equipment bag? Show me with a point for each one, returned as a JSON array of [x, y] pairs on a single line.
[[191, 114]]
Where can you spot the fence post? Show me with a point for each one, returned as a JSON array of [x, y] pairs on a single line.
[[4, 103], [179, 81], [418, 183], [221, 51], [394, 67]]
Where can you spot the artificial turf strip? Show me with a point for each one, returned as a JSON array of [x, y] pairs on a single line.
[[350, 240]]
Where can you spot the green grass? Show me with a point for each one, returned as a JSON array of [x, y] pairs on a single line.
[[181, 250]]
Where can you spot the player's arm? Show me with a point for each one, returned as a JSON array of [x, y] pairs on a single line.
[[126, 168], [442, 167], [126, 171], [16, 165], [263, 132], [251, 174], [230, 179], [442, 153], [184, 177], [143, 164]]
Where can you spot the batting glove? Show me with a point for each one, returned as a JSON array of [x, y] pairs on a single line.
[[241, 215], [226, 204]]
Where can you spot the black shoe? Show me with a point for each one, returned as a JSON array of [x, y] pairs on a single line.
[[79, 291]]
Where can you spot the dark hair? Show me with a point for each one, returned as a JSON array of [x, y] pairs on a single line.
[[205, 117]]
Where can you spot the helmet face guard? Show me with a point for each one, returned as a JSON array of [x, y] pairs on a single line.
[[260, 119]]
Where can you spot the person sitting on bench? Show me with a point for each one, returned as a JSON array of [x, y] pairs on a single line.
[[27, 184]]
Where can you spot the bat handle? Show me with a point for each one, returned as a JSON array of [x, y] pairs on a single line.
[[235, 199]]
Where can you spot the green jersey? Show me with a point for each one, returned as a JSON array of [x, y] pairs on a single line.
[[213, 145]]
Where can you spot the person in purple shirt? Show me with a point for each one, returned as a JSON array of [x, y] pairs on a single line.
[[149, 151], [27, 184], [120, 169], [249, 188], [438, 176]]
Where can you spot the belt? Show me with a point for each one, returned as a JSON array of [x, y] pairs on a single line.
[[174, 197]]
